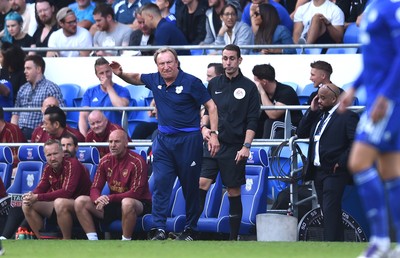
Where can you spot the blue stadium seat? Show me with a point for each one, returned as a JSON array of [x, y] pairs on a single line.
[[291, 84], [344, 50], [6, 165], [140, 117], [313, 51], [254, 201], [139, 93], [29, 169], [305, 93], [361, 95], [213, 199], [351, 34], [70, 92], [90, 157]]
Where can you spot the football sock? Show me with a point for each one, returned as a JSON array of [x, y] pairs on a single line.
[[371, 191], [92, 236], [235, 216], [393, 190], [202, 195]]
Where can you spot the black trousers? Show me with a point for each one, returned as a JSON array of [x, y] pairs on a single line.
[[330, 188]]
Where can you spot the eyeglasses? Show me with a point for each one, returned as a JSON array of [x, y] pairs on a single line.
[[229, 14], [329, 88], [256, 14], [71, 22]]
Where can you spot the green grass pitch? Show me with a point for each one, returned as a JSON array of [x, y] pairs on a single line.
[[165, 249]]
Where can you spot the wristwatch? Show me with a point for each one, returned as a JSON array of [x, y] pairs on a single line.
[[216, 132], [247, 145]]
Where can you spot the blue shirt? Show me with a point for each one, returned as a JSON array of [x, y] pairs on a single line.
[[125, 13], [7, 101], [380, 38], [85, 14], [168, 34], [178, 105], [29, 97], [96, 97], [282, 12]]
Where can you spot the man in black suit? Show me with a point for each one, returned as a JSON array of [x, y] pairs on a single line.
[[331, 135]]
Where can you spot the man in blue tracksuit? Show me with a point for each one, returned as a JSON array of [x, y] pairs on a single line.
[[177, 149]]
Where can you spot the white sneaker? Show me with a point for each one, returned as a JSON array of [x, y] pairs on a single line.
[[3, 238], [373, 251]]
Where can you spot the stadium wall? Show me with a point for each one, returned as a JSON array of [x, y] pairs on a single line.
[[293, 68]]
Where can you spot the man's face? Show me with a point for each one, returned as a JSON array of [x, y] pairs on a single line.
[[117, 144], [31, 71], [103, 71], [212, 3], [230, 62], [317, 77], [17, 5], [162, 4], [148, 20], [49, 102], [45, 12], [69, 25], [54, 155], [326, 99], [260, 82], [186, 2], [101, 22], [49, 127], [211, 73], [167, 65], [83, 3], [69, 148], [142, 26], [97, 123]]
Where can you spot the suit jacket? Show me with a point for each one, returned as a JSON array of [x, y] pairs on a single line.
[[136, 38], [334, 144]]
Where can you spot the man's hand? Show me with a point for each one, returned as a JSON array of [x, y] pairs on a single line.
[[29, 198], [213, 145], [379, 109], [116, 68], [243, 154], [314, 103], [101, 202], [346, 99]]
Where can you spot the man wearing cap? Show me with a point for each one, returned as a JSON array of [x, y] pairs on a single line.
[[69, 36], [54, 126]]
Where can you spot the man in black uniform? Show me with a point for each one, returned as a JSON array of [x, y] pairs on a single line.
[[238, 107], [274, 93]]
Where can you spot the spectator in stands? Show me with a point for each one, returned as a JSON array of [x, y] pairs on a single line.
[[268, 31], [100, 129], [27, 11], [63, 179], [214, 70], [10, 133], [251, 8], [69, 144], [232, 30], [70, 35], [125, 172], [274, 93], [352, 10], [318, 22], [165, 6], [237, 123], [110, 33], [331, 135], [47, 23], [12, 60], [178, 137], [320, 74], [144, 36], [5, 8], [213, 16], [191, 19], [13, 32], [54, 126], [166, 33], [6, 98], [83, 10], [106, 94], [125, 10], [43, 88]]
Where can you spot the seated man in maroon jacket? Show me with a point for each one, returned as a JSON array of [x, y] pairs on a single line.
[[54, 126], [125, 172], [100, 129], [63, 180]]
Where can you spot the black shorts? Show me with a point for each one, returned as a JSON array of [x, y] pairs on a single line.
[[232, 174], [113, 211]]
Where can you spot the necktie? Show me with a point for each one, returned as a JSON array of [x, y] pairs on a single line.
[[321, 123]]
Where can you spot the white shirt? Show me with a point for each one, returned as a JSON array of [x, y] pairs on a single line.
[[82, 38]]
